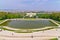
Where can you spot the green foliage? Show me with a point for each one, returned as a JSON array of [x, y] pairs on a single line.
[[43, 15], [54, 16], [9, 15], [54, 39]]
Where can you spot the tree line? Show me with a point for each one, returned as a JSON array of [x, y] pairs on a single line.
[[53, 15], [9, 15]]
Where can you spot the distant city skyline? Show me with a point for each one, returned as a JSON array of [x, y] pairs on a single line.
[[30, 5]]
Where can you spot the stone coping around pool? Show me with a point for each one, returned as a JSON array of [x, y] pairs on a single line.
[[3, 21], [31, 19], [34, 19], [29, 29], [9, 28], [44, 28], [26, 29], [54, 22]]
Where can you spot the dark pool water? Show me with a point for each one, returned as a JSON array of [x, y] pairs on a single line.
[[28, 24]]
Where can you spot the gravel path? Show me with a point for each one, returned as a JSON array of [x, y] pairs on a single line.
[[8, 35]]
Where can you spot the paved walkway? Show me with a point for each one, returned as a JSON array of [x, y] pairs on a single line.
[[58, 34], [7, 35]]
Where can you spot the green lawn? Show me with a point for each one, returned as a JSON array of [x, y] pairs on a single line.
[[54, 39]]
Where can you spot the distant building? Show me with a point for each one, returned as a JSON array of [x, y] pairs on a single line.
[[30, 14]]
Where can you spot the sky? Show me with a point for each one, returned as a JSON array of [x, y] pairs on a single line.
[[41, 5]]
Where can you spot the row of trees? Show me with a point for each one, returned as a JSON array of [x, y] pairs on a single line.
[[54, 16], [5, 15], [9, 15]]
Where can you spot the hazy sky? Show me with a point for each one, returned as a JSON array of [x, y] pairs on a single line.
[[43, 5]]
